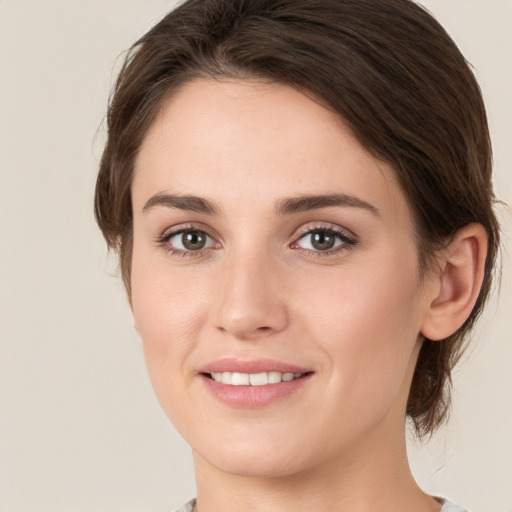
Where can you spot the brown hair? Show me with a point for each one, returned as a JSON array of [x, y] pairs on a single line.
[[386, 66]]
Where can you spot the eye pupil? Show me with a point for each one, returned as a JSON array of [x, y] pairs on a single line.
[[193, 240], [323, 241]]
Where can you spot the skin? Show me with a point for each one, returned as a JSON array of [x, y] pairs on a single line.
[[259, 289]]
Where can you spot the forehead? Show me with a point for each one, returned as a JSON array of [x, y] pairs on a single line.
[[237, 140]]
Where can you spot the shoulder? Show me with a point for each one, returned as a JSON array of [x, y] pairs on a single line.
[[189, 506], [448, 506]]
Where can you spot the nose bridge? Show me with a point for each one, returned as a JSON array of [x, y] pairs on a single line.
[[250, 304]]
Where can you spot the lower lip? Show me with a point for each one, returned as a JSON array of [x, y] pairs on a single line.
[[250, 397]]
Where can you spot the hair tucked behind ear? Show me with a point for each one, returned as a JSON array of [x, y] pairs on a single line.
[[385, 66]]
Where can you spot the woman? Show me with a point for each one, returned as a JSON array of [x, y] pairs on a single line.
[[300, 194]]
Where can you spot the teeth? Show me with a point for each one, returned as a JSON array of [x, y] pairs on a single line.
[[253, 379], [239, 379], [258, 379], [274, 377]]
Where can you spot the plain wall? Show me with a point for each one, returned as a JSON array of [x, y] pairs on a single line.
[[80, 429]]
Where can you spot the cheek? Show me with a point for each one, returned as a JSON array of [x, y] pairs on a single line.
[[376, 297], [169, 311], [166, 303], [367, 321]]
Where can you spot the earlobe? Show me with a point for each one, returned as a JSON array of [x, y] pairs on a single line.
[[457, 284]]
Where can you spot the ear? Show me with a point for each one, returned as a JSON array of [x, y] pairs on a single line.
[[455, 288]]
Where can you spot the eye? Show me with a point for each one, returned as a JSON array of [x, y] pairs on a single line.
[[324, 239], [188, 240]]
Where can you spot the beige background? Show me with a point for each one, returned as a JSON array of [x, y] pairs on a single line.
[[80, 429]]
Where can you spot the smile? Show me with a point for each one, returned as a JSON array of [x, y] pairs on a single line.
[[253, 383], [253, 379]]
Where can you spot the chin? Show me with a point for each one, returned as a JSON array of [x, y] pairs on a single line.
[[257, 460], [257, 467]]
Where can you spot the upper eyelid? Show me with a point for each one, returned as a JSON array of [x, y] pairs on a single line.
[[327, 226], [180, 228]]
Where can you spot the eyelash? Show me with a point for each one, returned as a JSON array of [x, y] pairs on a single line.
[[348, 240], [163, 241]]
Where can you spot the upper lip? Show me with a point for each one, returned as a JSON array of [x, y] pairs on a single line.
[[230, 364]]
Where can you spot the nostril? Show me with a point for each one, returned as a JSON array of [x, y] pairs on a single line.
[[249, 320]]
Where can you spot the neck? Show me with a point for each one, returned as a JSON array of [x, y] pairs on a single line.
[[373, 477]]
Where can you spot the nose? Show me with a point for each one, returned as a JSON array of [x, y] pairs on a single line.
[[250, 299]]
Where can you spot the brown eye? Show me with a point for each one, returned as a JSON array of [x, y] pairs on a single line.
[[323, 240], [193, 240], [189, 240]]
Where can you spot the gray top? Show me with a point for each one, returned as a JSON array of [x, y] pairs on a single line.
[[448, 506], [187, 507]]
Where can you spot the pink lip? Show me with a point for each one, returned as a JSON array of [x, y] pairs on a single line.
[[251, 366], [250, 397]]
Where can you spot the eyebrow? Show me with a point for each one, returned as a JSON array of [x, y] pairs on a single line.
[[290, 205], [188, 203], [284, 206]]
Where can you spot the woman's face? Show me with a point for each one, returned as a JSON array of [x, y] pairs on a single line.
[[268, 246]]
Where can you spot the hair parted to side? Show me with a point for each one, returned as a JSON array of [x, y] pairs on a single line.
[[385, 66]]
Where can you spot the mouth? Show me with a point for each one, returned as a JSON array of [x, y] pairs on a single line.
[[254, 379], [254, 383]]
